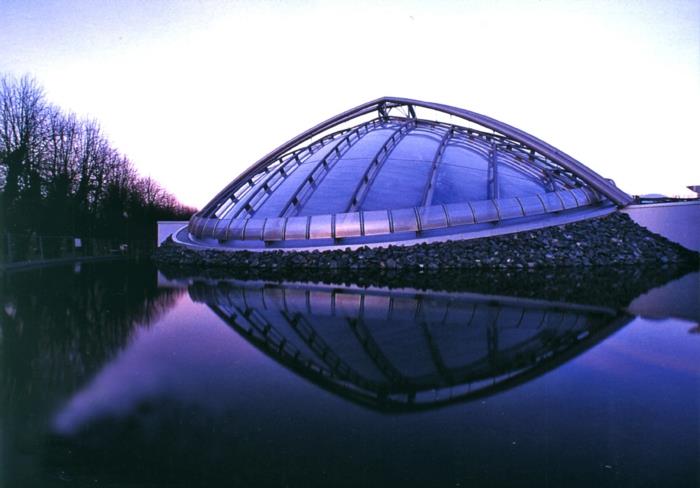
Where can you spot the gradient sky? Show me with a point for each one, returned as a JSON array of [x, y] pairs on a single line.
[[196, 91]]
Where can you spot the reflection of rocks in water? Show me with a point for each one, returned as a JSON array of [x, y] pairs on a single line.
[[406, 349], [606, 286]]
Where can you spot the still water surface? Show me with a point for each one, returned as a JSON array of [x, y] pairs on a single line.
[[113, 375]]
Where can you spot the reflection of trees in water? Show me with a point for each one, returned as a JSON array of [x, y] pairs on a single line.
[[57, 329], [58, 326]]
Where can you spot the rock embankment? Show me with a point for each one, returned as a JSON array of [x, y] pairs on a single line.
[[608, 241]]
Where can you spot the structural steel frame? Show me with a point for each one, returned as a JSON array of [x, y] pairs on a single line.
[[382, 105], [570, 183]]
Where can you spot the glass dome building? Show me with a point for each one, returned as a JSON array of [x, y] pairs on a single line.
[[397, 170]]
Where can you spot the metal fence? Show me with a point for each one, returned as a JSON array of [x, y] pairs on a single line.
[[33, 248]]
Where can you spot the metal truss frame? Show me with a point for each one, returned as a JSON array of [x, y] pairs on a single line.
[[383, 105]]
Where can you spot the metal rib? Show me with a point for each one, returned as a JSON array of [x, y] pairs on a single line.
[[569, 164], [589, 176], [437, 159], [372, 170], [281, 169], [294, 200], [492, 181]]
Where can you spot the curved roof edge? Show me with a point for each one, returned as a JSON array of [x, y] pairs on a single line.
[[405, 226], [597, 182]]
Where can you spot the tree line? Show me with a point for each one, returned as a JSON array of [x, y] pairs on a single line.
[[59, 175]]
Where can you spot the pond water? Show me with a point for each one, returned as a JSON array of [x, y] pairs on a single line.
[[116, 374]]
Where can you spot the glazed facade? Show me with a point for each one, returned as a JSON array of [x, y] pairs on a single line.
[[395, 177]]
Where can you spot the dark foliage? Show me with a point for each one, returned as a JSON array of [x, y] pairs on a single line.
[[60, 176]]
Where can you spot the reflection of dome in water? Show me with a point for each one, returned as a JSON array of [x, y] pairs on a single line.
[[380, 173], [400, 349]]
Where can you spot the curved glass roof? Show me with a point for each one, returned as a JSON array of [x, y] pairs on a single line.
[[391, 174]]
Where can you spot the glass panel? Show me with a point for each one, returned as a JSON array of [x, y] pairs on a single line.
[[296, 228], [418, 145], [369, 144], [484, 211], [568, 199], [335, 191], [321, 227], [592, 197], [192, 225], [224, 208], [432, 217], [459, 213], [552, 203], [404, 220], [376, 223], [478, 146], [221, 229], [239, 206], [209, 225], [347, 225], [274, 229], [273, 206], [580, 196], [532, 205], [399, 184], [508, 208], [235, 230], [242, 191], [322, 152], [257, 198], [253, 231], [513, 183], [461, 176], [199, 227], [403, 177]]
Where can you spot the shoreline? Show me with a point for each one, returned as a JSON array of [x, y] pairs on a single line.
[[612, 240]]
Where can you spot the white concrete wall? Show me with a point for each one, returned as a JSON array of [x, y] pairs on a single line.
[[167, 227], [679, 222]]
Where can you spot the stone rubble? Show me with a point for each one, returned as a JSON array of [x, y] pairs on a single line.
[[608, 241]]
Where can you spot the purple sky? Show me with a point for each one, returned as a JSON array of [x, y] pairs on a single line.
[[194, 92]]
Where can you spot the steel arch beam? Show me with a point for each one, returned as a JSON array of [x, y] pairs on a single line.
[[596, 181], [365, 184], [437, 159], [567, 162], [323, 163]]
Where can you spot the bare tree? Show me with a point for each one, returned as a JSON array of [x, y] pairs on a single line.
[[22, 117], [60, 174]]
